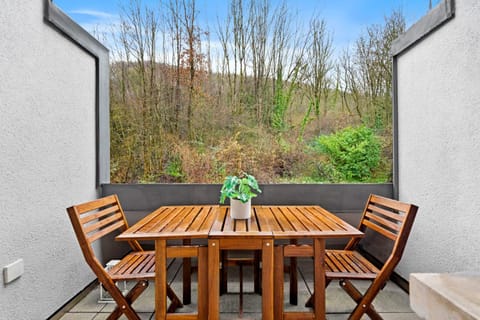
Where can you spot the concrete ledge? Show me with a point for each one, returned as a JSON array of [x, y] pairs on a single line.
[[435, 296]]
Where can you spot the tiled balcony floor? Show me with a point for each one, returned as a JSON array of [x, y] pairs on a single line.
[[392, 302]]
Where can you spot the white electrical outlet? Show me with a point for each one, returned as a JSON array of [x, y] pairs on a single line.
[[13, 271]]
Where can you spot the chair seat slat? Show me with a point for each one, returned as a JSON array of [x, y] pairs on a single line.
[[141, 266], [136, 268], [132, 262], [148, 266], [329, 265], [133, 265], [349, 275], [348, 264], [363, 263], [356, 265], [334, 261]]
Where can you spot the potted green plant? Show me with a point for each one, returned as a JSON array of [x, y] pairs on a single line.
[[240, 189]]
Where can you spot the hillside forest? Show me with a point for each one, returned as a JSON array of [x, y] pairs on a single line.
[[269, 96]]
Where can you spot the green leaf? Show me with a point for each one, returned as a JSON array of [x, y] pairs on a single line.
[[242, 188]]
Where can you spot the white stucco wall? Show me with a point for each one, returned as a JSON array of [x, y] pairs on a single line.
[[439, 144], [47, 159]]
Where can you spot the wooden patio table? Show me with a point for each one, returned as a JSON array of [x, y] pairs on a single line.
[[268, 223], [176, 223]]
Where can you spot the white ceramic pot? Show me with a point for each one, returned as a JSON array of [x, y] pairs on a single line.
[[240, 210]]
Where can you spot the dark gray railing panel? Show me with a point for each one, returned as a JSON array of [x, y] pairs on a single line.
[[333, 197]]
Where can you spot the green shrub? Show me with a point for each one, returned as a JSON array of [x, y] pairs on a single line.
[[349, 155]]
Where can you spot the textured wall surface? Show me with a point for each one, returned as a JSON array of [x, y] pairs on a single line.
[[47, 162], [439, 144]]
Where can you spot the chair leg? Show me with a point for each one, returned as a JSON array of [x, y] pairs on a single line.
[[240, 308], [257, 288], [309, 303], [363, 302], [124, 304], [223, 272], [175, 300], [293, 281]]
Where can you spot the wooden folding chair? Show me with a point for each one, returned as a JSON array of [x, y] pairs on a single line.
[[393, 220], [94, 220]]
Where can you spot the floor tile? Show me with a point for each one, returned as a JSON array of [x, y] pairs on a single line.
[[400, 316], [245, 316], [89, 303], [78, 316], [144, 303], [143, 316]]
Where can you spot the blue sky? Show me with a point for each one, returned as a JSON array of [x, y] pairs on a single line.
[[346, 19]]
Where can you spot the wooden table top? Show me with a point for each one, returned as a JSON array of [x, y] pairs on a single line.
[[286, 222], [283, 222], [173, 222], [225, 226], [279, 222]]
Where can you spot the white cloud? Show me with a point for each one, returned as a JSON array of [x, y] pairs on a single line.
[[99, 15]]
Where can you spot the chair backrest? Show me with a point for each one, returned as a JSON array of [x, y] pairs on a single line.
[[96, 219], [390, 218]]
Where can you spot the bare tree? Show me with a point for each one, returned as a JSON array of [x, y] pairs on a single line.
[[176, 32], [367, 72], [259, 33], [288, 49], [318, 69]]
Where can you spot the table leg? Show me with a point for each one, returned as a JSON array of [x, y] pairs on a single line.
[[213, 279], [319, 278], [160, 279], [267, 279], [202, 283], [278, 282]]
